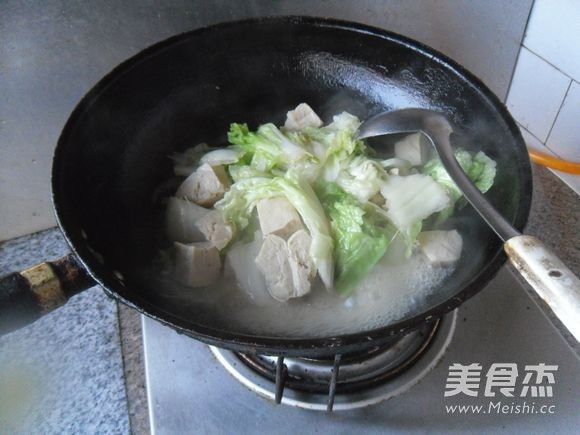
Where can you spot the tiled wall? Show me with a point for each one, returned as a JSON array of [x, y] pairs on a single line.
[[544, 95]]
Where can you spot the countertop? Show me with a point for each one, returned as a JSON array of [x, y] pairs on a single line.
[[80, 369], [64, 373]]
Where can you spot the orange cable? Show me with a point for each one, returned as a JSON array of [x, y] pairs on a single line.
[[554, 163]]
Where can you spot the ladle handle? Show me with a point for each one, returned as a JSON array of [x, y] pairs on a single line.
[[553, 282], [28, 295]]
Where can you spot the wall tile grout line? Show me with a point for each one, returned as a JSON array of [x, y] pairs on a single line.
[[522, 39], [538, 139], [507, 94], [531, 134], [547, 61], [558, 113]]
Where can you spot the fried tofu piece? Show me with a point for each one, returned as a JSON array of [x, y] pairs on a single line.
[[301, 117], [301, 265], [215, 229], [441, 248], [181, 217], [286, 266], [205, 186], [273, 262], [196, 264], [277, 216]]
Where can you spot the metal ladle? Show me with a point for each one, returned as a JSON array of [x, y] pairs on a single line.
[[551, 279]]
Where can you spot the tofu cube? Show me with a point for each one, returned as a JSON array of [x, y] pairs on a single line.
[[180, 218], [414, 148], [273, 262], [205, 186], [215, 229], [277, 216], [301, 117], [441, 247], [196, 264], [301, 265]]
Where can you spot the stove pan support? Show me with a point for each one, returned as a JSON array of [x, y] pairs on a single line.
[[333, 382], [346, 380], [281, 376], [281, 371]]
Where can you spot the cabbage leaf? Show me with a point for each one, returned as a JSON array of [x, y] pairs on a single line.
[[361, 235], [480, 169], [239, 202]]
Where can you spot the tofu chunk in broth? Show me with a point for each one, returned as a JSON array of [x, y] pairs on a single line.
[[215, 229], [277, 216], [196, 264], [442, 248], [301, 265], [205, 186], [273, 261]]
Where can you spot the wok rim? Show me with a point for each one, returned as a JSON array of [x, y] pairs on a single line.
[[288, 346]]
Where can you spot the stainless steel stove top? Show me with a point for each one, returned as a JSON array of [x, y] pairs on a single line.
[[361, 380], [190, 391]]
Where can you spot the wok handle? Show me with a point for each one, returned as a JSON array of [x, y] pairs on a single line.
[[28, 295], [553, 282]]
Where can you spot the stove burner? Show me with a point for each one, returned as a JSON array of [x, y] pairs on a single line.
[[349, 381], [357, 371]]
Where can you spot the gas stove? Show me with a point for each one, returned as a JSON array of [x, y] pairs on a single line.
[[399, 388], [347, 381]]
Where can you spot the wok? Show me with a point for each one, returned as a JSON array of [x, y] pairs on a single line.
[[112, 156]]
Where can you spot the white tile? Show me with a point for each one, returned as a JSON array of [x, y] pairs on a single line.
[[573, 181], [564, 138], [533, 142], [536, 93], [553, 32]]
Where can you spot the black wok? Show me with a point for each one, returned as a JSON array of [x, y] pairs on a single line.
[[112, 157]]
